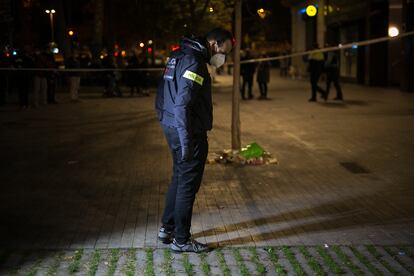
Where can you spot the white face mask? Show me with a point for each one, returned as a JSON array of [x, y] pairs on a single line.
[[217, 60]]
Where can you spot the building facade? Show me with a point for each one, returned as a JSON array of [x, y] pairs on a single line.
[[346, 21]]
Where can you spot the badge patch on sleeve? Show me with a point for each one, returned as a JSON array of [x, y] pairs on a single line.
[[194, 77]]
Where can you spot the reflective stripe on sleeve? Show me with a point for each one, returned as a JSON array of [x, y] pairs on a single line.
[[194, 77]]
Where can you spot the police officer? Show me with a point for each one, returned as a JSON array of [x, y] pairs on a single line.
[[185, 111], [316, 64]]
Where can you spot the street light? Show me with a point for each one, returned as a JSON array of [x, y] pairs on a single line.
[[51, 13], [393, 31]]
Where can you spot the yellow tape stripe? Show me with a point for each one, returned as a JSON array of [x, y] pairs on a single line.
[[194, 77]]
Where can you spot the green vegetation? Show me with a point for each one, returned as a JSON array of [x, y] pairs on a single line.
[[205, 267], [345, 259], [149, 266], [54, 267], [167, 265], [365, 261], [371, 249], [94, 262], [130, 262], [292, 259], [222, 262], [260, 268], [329, 261], [313, 263], [188, 267], [273, 257], [74, 266], [240, 262], [113, 261]]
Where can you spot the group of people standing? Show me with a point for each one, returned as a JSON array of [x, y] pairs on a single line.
[[247, 71]]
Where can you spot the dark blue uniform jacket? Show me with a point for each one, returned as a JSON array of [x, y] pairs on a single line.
[[184, 95]]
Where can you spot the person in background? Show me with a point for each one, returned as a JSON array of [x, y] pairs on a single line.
[[332, 74], [52, 78], [247, 72], [73, 77], [40, 80], [263, 77], [316, 65]]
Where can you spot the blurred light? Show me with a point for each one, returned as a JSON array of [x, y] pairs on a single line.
[[7, 54], [116, 54], [261, 13], [354, 46], [102, 56], [123, 53], [150, 42], [71, 33], [142, 45], [175, 47], [47, 11], [149, 50], [211, 9], [55, 50], [52, 11], [14, 53], [116, 46], [393, 31], [311, 10], [340, 45]]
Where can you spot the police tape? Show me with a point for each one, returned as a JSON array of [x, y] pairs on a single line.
[[255, 60], [331, 49]]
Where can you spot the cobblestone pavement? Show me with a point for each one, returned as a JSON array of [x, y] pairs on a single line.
[[93, 175], [302, 260]]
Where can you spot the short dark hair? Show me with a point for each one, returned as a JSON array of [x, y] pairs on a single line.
[[220, 35]]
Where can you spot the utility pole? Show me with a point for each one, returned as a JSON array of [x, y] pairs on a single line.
[[235, 122]]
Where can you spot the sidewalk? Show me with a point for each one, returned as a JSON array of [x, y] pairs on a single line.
[[94, 174]]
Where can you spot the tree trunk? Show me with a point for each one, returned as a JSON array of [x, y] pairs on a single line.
[[235, 122], [98, 26]]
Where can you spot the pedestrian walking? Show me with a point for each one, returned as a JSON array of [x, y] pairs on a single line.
[[332, 75], [247, 72], [73, 77], [316, 65], [263, 77], [185, 110]]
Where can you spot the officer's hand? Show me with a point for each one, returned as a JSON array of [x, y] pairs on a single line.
[[187, 153]]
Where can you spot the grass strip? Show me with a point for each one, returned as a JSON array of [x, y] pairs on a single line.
[[260, 268], [130, 262], [275, 261], [365, 261], [240, 262], [167, 265], [149, 266], [397, 258], [74, 265], [293, 261], [94, 262], [329, 261], [205, 267], [188, 267], [347, 261], [35, 267], [54, 267], [313, 263], [113, 261], [373, 251], [222, 263]]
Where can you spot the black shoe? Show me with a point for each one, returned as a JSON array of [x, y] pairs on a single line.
[[312, 100], [189, 246], [165, 236]]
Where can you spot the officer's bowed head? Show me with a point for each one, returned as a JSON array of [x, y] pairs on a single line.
[[221, 43]]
